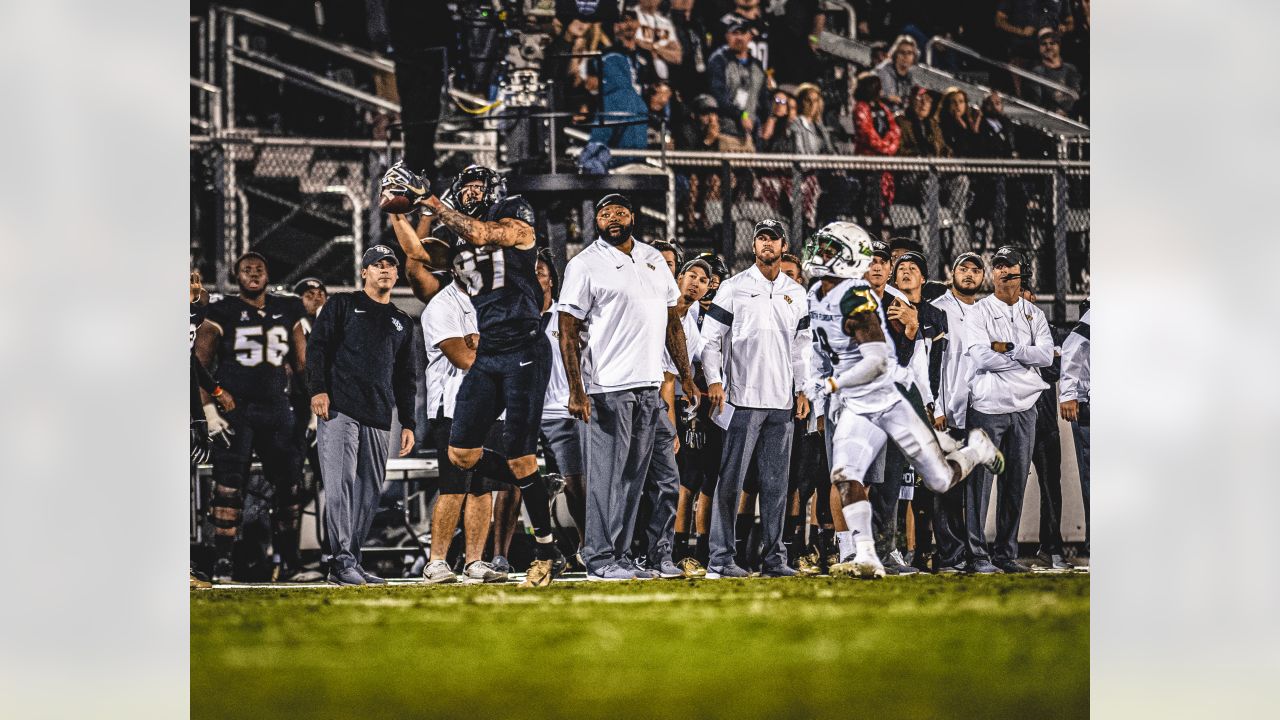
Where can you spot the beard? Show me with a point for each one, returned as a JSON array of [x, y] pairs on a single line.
[[623, 235], [967, 291]]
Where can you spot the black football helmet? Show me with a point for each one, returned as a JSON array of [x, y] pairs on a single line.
[[494, 190]]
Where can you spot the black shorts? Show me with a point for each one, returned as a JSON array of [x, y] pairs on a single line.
[[453, 481], [700, 468], [515, 381]]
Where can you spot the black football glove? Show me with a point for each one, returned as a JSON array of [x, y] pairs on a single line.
[[200, 446]]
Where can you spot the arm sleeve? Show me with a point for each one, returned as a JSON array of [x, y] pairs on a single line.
[[979, 349], [575, 294], [404, 380], [874, 362], [320, 342], [718, 321], [1038, 355], [1075, 367], [937, 350], [203, 378], [920, 370]]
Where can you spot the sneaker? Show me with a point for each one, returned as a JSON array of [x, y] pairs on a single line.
[[612, 572], [728, 571], [666, 570], [482, 572], [555, 483], [982, 567], [222, 571], [638, 571], [1012, 567], [1055, 562], [198, 584], [894, 565], [691, 568], [346, 576], [809, 565], [991, 458], [779, 571], [949, 570], [369, 577], [501, 564], [438, 572]]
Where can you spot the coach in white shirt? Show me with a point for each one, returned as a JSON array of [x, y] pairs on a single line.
[[1073, 393], [757, 342], [1010, 339], [617, 312]]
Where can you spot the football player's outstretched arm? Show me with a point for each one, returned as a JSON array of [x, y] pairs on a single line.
[[503, 232], [871, 343], [418, 262]]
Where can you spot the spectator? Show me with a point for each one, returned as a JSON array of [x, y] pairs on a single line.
[[1009, 343], [657, 35], [704, 134], [746, 13], [920, 134], [663, 114], [879, 53], [1053, 68], [620, 100], [692, 35], [895, 72], [626, 41], [793, 35], [957, 124], [1019, 20], [807, 135], [995, 132], [875, 133], [773, 131], [738, 82], [1073, 392]]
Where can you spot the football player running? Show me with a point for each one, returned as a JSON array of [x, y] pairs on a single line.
[[486, 239], [866, 408]]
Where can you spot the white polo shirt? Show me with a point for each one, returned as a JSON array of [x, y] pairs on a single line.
[[757, 340], [450, 314], [957, 367], [1074, 384], [692, 343], [622, 300], [555, 404], [1008, 382]]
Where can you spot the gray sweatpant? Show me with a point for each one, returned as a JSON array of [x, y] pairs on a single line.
[[1014, 434], [662, 487], [353, 462], [767, 434], [619, 444]]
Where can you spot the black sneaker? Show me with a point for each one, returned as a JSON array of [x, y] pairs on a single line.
[[893, 565], [1012, 567], [222, 571], [1055, 562], [982, 567]]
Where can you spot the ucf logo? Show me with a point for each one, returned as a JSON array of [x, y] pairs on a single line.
[[787, 298]]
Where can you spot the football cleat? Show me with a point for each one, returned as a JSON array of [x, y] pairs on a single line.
[[691, 568], [222, 571], [990, 457], [545, 568], [809, 565], [198, 584]]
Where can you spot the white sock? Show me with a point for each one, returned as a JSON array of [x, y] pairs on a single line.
[[545, 538], [967, 458], [858, 516], [844, 543]]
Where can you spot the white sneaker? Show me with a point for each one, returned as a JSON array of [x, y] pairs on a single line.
[[990, 457], [437, 573], [482, 572]]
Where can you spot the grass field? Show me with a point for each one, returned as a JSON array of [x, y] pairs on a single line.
[[917, 647]]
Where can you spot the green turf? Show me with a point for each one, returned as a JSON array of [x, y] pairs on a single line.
[[920, 647]]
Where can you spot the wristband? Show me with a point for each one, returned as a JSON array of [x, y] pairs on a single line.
[[217, 391]]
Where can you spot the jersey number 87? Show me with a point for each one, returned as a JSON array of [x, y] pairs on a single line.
[[481, 271]]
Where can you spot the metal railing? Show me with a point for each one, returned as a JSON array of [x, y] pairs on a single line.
[[1003, 66]]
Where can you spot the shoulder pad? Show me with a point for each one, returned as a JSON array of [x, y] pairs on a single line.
[[858, 300], [515, 207]]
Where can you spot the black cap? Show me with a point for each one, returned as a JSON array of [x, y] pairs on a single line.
[[1048, 32], [1007, 255], [306, 284], [705, 103], [613, 199], [771, 227], [739, 25], [718, 268], [377, 253], [910, 256], [880, 248], [972, 257]]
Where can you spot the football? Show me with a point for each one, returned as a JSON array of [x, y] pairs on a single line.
[[395, 200]]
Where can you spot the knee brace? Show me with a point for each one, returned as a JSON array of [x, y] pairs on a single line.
[[226, 504]]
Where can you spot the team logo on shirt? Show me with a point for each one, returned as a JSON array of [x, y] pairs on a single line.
[[244, 316], [396, 322], [651, 266], [787, 298]]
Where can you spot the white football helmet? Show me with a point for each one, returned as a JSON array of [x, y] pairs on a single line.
[[840, 249]]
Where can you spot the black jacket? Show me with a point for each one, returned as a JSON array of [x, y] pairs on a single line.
[[362, 353]]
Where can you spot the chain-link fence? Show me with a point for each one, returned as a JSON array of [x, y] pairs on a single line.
[[310, 206]]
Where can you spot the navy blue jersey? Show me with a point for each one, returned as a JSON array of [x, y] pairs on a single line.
[[255, 344], [197, 317], [502, 282]]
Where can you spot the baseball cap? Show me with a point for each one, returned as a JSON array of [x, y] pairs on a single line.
[[770, 227], [738, 25], [905, 243], [377, 253], [910, 256], [1048, 32], [972, 257], [880, 248], [705, 103], [613, 199], [310, 283], [1007, 255]]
